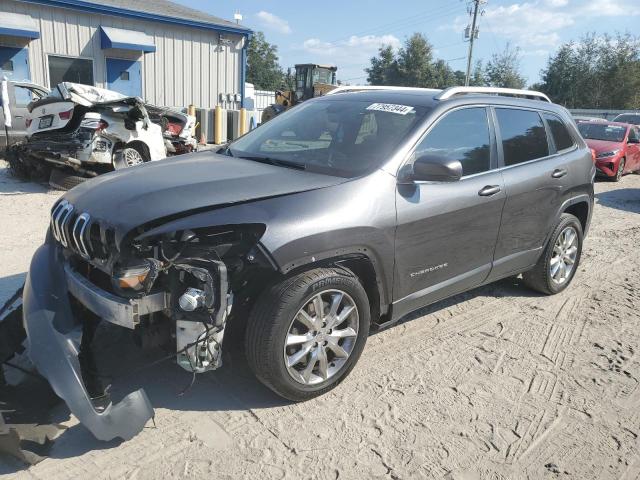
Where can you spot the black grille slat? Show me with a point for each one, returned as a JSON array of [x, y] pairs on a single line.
[[74, 229]]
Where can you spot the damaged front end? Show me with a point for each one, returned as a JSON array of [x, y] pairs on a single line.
[[171, 289]]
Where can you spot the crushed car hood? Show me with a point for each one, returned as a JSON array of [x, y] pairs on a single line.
[[129, 198]]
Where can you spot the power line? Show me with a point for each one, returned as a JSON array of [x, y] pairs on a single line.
[[406, 22]]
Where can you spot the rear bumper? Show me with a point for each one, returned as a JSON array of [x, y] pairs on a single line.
[[53, 333]]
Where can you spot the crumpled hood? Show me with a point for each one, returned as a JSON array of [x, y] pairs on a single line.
[[132, 197]]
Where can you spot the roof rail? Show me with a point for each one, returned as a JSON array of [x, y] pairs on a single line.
[[359, 88], [514, 92]]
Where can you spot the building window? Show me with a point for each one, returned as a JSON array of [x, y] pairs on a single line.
[[65, 69]]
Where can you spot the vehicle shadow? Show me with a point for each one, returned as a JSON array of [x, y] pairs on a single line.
[[627, 199], [10, 185]]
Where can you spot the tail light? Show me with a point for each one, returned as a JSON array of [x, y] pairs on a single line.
[[102, 125], [65, 115], [27, 122], [593, 155]]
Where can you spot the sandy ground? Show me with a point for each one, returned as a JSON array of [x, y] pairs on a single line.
[[495, 383]]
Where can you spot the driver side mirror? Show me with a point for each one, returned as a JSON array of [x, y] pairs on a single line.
[[433, 168]]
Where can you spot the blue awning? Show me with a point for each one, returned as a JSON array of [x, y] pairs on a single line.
[[111, 37], [18, 25]]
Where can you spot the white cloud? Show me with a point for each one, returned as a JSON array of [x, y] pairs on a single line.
[[539, 24], [350, 55], [272, 22]]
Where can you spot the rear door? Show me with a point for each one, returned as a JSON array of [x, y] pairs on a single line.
[[446, 232], [536, 178]]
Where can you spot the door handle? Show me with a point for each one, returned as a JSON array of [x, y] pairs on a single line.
[[559, 172], [489, 190]]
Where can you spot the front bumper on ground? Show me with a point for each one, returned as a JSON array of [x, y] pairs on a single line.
[[53, 334]]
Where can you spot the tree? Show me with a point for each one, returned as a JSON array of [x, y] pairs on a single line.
[[384, 68], [478, 77], [263, 69], [412, 66], [415, 62], [503, 70], [595, 72]]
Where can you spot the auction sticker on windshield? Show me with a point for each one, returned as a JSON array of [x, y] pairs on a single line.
[[391, 108]]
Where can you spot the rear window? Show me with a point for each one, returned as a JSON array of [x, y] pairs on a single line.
[[523, 134], [561, 135]]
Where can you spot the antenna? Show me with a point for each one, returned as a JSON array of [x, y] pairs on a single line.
[[237, 17]]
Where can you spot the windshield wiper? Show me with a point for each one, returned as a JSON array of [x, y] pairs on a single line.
[[274, 161]]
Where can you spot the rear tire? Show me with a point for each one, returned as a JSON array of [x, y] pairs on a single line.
[[277, 322], [129, 156], [541, 277], [61, 180]]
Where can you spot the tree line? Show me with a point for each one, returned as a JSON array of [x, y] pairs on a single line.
[[592, 72]]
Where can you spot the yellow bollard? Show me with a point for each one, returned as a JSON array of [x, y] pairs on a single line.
[[217, 126], [243, 121]]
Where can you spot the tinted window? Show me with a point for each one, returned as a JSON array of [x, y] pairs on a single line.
[[64, 69], [462, 135], [331, 135], [523, 135], [561, 135]]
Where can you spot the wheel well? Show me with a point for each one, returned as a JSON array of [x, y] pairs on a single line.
[[579, 210], [140, 147], [359, 265]]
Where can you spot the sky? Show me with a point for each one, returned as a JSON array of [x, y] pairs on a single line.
[[348, 33]]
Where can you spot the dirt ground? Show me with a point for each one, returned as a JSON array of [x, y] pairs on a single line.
[[497, 383]]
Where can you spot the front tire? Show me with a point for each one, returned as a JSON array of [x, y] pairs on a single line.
[[129, 156], [306, 333], [559, 261], [620, 171]]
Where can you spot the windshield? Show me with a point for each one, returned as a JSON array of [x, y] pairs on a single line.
[[628, 118], [602, 131], [338, 137]]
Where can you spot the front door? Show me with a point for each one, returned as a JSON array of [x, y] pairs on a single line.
[[633, 150], [124, 76], [447, 232]]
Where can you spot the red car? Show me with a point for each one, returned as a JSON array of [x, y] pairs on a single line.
[[617, 147]]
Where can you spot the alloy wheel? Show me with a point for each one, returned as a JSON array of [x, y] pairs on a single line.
[[132, 157], [321, 337], [563, 259]]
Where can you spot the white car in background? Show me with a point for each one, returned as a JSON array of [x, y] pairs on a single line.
[[87, 131]]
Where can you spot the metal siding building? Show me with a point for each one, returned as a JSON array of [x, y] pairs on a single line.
[[198, 59]]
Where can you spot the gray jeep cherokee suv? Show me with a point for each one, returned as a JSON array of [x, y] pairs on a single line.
[[346, 212]]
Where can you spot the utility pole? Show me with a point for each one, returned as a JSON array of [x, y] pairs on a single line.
[[472, 36]]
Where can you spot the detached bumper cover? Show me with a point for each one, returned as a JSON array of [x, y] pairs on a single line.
[[53, 347]]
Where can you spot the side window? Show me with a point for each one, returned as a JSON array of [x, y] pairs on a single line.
[[523, 135], [633, 134], [462, 135], [561, 135]]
